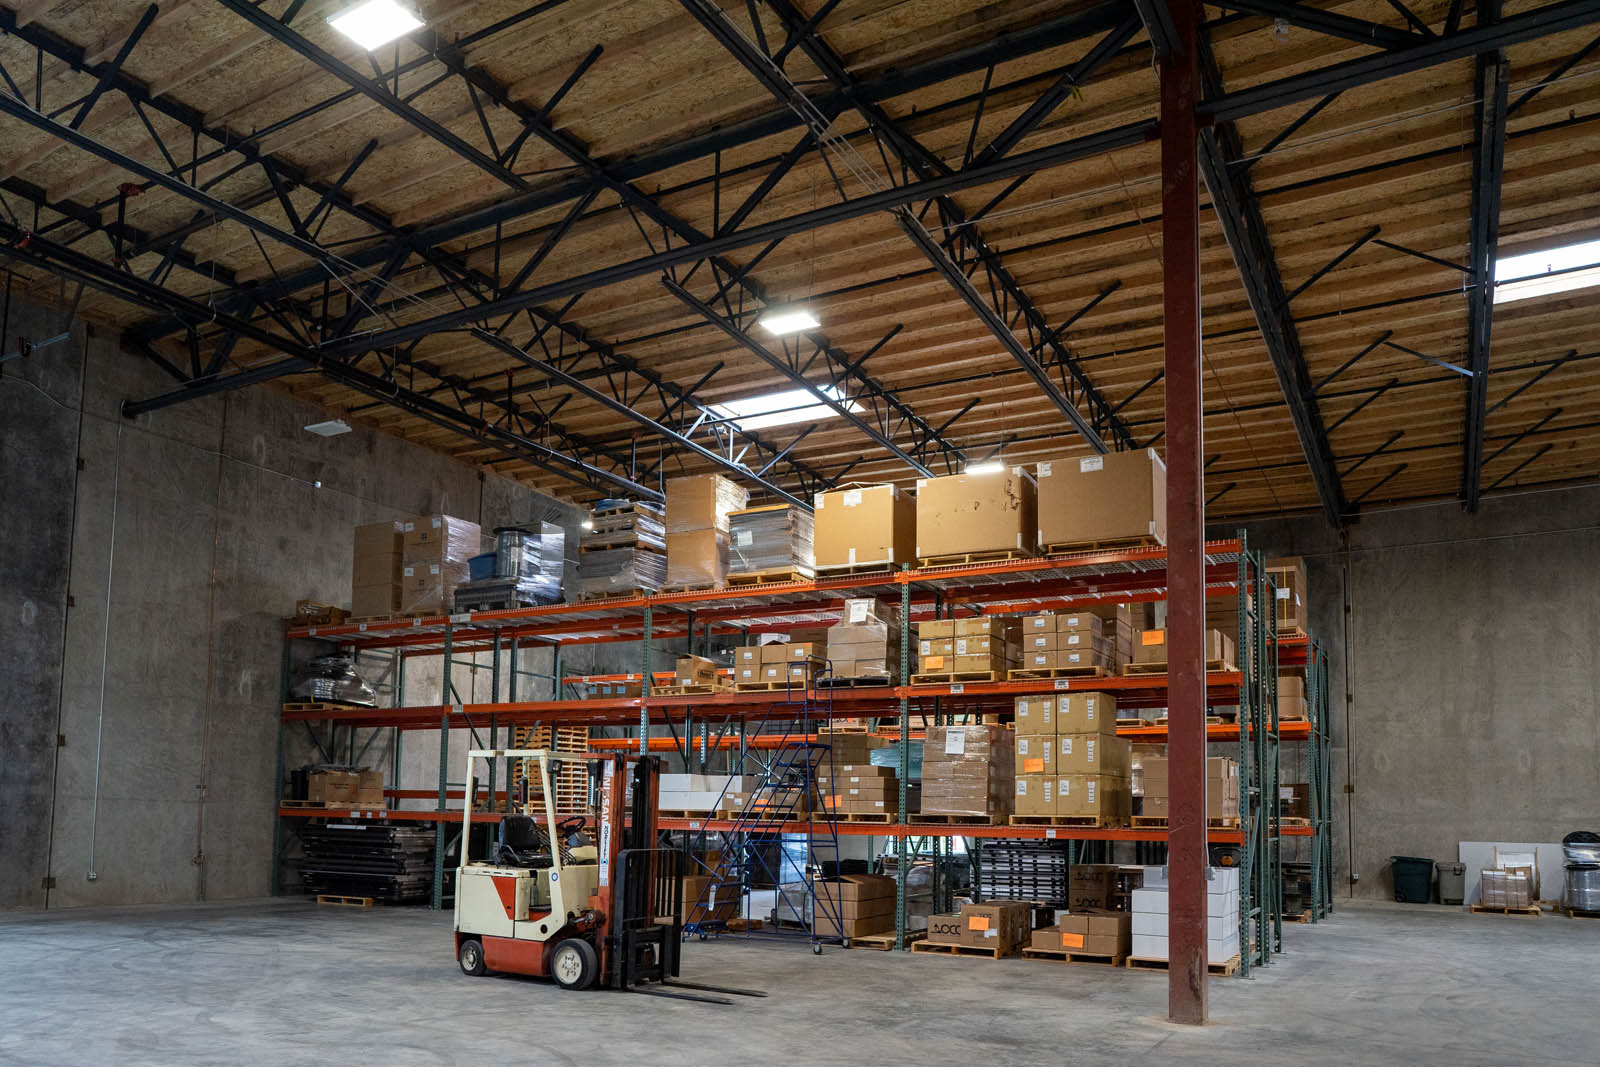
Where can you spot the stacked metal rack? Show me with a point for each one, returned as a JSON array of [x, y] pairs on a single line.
[[696, 724]]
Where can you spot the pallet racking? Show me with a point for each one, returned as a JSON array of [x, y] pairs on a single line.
[[697, 724]]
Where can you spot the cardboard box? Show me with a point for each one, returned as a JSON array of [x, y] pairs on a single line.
[[1034, 715], [1034, 795], [864, 525], [1074, 657], [697, 558], [1093, 754], [945, 929], [987, 626], [1080, 622], [936, 629], [1039, 624], [379, 538], [1093, 796], [356, 789], [1094, 931], [695, 670], [1115, 497], [430, 586], [1288, 575], [976, 513], [440, 537], [701, 903], [1003, 925], [1086, 713], [936, 646], [701, 502], [1037, 661], [375, 599], [986, 662], [748, 655], [1152, 647], [1092, 885], [1036, 754]]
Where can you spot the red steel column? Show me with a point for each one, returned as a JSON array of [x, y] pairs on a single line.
[[1186, 516]]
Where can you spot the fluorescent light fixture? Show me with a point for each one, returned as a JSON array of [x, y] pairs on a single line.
[[782, 408], [587, 524], [993, 466], [375, 23], [780, 321], [330, 428], [1556, 270]]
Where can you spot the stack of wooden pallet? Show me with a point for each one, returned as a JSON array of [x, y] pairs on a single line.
[[571, 782]]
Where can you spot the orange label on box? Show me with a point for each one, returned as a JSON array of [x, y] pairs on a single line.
[[977, 922], [1033, 766], [1153, 637], [933, 661], [1071, 940]]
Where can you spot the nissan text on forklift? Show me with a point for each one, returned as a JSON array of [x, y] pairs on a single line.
[[551, 901]]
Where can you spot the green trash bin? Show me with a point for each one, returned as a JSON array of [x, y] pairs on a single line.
[[1413, 879]]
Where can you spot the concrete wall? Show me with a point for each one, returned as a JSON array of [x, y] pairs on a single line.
[[144, 569], [1468, 652]]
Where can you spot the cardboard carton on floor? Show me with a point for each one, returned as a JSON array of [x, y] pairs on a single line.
[[1094, 931], [1003, 925]]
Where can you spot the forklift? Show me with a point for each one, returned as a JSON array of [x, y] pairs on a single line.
[[551, 901]]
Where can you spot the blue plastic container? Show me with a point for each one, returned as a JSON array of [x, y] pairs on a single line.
[[481, 567]]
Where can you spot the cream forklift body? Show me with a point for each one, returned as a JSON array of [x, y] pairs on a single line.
[[606, 911]]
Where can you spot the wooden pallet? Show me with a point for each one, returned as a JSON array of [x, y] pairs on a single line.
[[1294, 821], [960, 950], [774, 576], [689, 690], [1139, 669], [835, 682], [1139, 963], [1132, 724], [1064, 955], [884, 942], [1490, 909], [959, 559], [1303, 917], [1159, 822], [324, 705], [882, 818], [1089, 822], [1579, 913], [1211, 720], [397, 616], [679, 813], [1288, 634], [322, 615], [336, 901], [1061, 548], [1043, 673], [959, 677], [955, 820], [501, 605], [767, 687], [621, 594], [850, 569], [696, 587], [328, 805]]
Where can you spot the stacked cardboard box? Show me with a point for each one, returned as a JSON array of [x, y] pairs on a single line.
[[976, 514], [697, 529], [624, 549], [863, 527], [356, 789], [968, 770], [865, 642], [1076, 639], [695, 670], [1222, 787], [704, 901], [1294, 800], [853, 905], [375, 575], [435, 550], [1149, 941], [989, 644], [1001, 925], [699, 792], [1506, 888], [1069, 761], [1152, 647], [1292, 706], [1288, 575], [775, 537], [779, 664], [1094, 932], [1121, 496], [862, 789]]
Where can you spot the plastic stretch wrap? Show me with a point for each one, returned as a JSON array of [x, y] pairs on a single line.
[[612, 571], [697, 559], [535, 557], [865, 642], [774, 538], [625, 524], [429, 586], [968, 770], [890, 757], [702, 502], [440, 537], [332, 679], [1505, 889]]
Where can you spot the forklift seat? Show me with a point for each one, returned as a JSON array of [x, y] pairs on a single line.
[[522, 843]]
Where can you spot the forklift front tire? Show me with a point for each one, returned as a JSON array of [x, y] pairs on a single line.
[[574, 964], [471, 958]]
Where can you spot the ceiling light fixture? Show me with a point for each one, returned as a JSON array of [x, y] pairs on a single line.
[[784, 407], [1555, 270], [375, 23], [330, 428], [993, 466], [780, 321]]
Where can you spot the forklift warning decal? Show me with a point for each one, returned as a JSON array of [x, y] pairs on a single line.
[[605, 824]]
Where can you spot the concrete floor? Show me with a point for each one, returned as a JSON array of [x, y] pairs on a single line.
[[286, 983]]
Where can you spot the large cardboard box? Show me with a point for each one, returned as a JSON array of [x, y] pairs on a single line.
[[1035, 795], [945, 929], [1152, 647], [976, 513], [1093, 754], [381, 599], [1115, 497], [1036, 754], [1097, 932], [1099, 796], [864, 525], [377, 557], [1086, 713], [356, 789], [702, 903], [701, 502], [1034, 715], [853, 906], [695, 670], [1092, 885], [440, 537], [1288, 575], [1003, 925], [697, 559], [430, 586]]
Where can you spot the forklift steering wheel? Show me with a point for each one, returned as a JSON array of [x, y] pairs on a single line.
[[570, 825]]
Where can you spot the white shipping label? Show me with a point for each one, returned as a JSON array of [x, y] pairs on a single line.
[[1072, 639], [852, 498], [1063, 683], [955, 743], [859, 609], [410, 572], [1050, 834], [1047, 791], [437, 522], [1088, 750], [1091, 463], [744, 537], [961, 646], [1282, 594], [433, 568], [1066, 746], [957, 688], [925, 649], [1044, 470], [1286, 792], [852, 555], [1074, 657], [1022, 748], [1022, 784], [991, 932], [1090, 783], [819, 502]]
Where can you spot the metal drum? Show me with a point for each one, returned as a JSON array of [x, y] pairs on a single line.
[[1583, 888], [509, 551]]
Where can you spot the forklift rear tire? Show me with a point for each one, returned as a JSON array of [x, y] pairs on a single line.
[[574, 964], [471, 958]]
